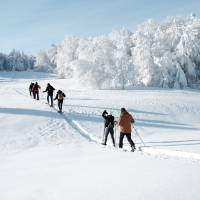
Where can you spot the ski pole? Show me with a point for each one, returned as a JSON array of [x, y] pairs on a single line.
[[103, 138], [115, 135], [139, 136]]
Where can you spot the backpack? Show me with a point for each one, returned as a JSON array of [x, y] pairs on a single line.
[[60, 96]]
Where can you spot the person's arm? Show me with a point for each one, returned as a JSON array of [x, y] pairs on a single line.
[[113, 121], [56, 97], [132, 119], [45, 90], [104, 113], [63, 94]]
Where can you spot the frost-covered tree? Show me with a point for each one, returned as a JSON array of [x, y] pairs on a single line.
[[156, 55], [3, 58], [43, 63], [16, 61]]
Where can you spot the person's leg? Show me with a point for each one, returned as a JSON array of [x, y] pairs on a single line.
[[128, 136], [121, 137], [61, 103], [111, 130], [47, 98], [51, 97], [106, 135], [37, 95], [34, 96]]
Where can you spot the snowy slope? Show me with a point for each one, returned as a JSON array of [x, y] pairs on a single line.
[[48, 156]]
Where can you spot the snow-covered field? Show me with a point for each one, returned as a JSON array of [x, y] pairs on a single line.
[[48, 156]]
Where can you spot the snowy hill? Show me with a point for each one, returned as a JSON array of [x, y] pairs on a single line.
[[45, 155], [157, 55]]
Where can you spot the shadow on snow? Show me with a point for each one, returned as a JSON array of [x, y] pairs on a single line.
[[36, 113]]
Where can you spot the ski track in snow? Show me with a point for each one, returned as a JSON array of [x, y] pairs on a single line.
[[148, 150], [53, 132]]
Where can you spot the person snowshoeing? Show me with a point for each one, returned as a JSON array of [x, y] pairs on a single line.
[[108, 126], [30, 88], [60, 97], [49, 89], [35, 91], [124, 123]]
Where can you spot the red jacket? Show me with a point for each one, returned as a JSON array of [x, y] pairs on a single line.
[[35, 88]]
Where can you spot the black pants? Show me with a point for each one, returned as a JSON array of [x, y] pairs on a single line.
[[36, 95], [111, 131], [60, 103], [128, 136], [30, 91], [33, 94], [51, 98]]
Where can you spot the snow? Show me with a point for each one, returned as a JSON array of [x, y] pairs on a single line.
[[48, 156]]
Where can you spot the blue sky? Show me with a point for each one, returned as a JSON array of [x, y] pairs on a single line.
[[32, 25]]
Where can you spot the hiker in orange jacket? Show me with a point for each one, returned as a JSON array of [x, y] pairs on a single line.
[[124, 123]]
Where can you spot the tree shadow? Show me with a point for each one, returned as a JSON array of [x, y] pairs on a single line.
[[144, 123], [85, 117], [114, 109], [82, 99], [31, 112], [165, 125], [173, 143]]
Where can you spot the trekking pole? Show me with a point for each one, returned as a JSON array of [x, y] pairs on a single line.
[[139, 136], [103, 138], [115, 135]]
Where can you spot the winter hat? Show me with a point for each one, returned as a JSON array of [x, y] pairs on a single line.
[[123, 110]]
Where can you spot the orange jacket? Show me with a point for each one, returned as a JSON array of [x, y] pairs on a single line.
[[125, 121]]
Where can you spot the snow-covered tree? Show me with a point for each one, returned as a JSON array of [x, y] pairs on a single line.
[[16, 61], [158, 55], [43, 63]]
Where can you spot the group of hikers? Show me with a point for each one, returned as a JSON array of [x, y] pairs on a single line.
[[34, 90], [125, 121]]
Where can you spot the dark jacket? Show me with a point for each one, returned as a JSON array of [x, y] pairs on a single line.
[[31, 86], [109, 119], [49, 90], [60, 95]]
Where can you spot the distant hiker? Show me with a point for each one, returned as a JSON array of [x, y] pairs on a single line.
[[49, 90], [124, 123], [108, 126], [60, 97], [35, 91], [30, 88]]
